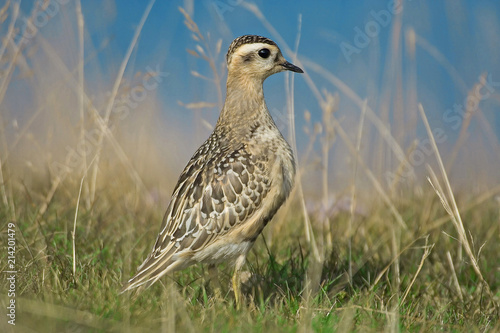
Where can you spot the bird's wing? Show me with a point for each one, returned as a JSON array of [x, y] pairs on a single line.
[[213, 195]]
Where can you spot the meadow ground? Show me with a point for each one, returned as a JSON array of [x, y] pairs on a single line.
[[414, 279]]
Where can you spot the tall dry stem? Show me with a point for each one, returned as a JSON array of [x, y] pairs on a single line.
[[328, 108], [447, 197], [353, 189], [81, 94], [114, 92]]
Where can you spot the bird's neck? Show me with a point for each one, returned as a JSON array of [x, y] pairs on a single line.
[[244, 106]]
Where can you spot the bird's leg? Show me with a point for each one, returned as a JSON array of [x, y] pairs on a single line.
[[236, 288], [214, 280], [237, 281]]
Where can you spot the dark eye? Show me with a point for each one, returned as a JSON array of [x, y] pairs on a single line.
[[264, 53]]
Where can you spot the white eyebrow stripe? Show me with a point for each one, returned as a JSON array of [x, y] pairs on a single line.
[[249, 48]]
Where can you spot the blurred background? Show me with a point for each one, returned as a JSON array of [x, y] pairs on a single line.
[[126, 93], [102, 103]]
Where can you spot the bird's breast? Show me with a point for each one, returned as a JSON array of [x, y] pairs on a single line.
[[268, 144]]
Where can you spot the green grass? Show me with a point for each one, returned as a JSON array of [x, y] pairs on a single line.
[[49, 296]]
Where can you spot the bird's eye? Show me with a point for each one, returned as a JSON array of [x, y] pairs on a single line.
[[264, 53]]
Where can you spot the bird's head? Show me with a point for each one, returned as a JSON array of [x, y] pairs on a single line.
[[256, 57]]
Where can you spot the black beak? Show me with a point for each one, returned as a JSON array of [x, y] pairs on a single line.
[[292, 67]]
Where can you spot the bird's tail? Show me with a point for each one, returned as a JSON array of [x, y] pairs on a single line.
[[152, 269]]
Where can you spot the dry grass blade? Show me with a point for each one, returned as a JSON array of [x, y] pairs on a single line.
[[398, 174], [50, 194], [436, 186], [454, 276], [73, 233], [328, 108], [101, 125], [7, 74], [353, 192], [3, 11], [370, 113], [313, 135], [114, 93], [427, 252], [81, 94], [198, 75], [197, 105], [10, 30], [469, 112], [17, 48], [386, 268], [378, 187], [205, 53], [3, 191], [477, 201], [454, 212], [291, 117], [191, 25]]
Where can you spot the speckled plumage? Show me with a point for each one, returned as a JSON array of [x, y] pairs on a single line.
[[235, 182]]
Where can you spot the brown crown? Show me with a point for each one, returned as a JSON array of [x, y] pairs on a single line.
[[247, 39]]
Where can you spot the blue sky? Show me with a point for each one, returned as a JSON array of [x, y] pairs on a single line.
[[457, 42], [458, 29]]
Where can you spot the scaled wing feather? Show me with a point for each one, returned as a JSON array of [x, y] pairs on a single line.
[[214, 193]]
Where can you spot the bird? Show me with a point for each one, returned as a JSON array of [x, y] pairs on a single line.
[[235, 182]]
